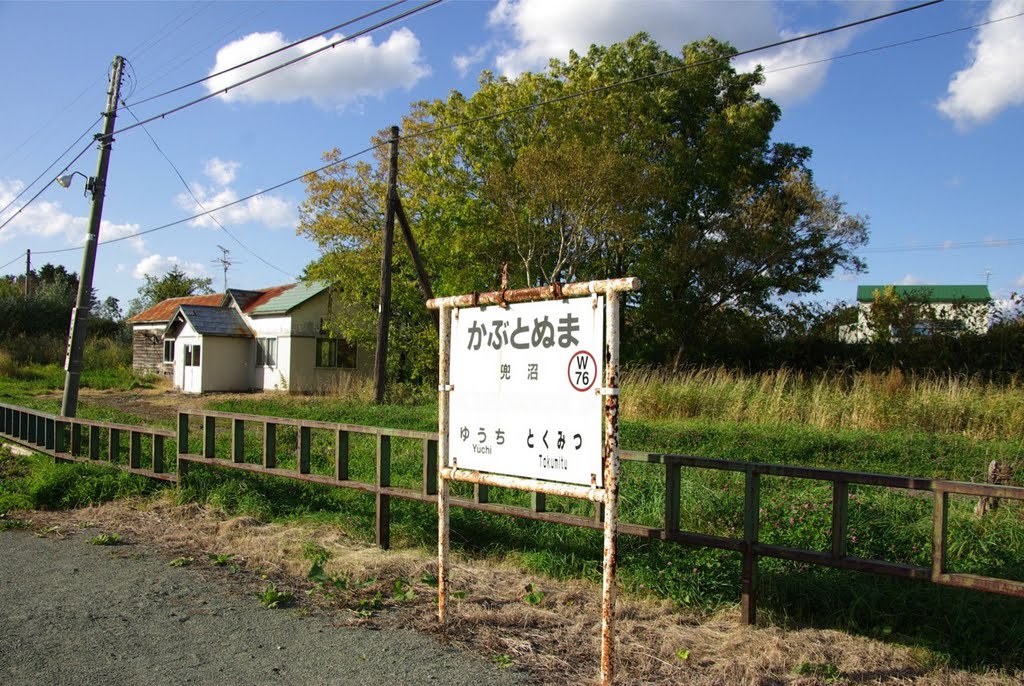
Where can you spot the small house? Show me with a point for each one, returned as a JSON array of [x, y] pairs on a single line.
[[241, 340], [920, 311]]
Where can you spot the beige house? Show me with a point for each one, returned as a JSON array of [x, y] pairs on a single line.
[[270, 339], [945, 309]]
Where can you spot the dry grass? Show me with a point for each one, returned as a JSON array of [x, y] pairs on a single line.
[[870, 401], [554, 642]]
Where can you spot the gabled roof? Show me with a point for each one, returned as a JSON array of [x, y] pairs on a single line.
[[931, 294], [211, 321], [243, 298], [164, 310], [284, 299]]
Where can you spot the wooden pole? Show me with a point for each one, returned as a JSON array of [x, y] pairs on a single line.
[[380, 358]]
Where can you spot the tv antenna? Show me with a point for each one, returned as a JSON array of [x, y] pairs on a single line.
[[225, 262]]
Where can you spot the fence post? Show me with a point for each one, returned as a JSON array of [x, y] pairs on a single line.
[[238, 440], [269, 445], [158, 454], [341, 455], [209, 437], [672, 488], [304, 439], [181, 466], [114, 446], [51, 435], [429, 467], [538, 502], [135, 451], [94, 442], [840, 518], [383, 529], [940, 519], [751, 515], [481, 494]]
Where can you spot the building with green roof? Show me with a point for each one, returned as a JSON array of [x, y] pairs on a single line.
[[919, 310]]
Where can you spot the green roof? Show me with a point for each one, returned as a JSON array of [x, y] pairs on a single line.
[[288, 299], [932, 294]]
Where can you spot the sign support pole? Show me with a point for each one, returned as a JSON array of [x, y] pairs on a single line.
[[608, 492], [611, 485], [443, 394]]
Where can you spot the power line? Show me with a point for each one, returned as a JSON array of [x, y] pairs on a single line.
[[911, 41], [950, 245], [48, 184], [199, 202], [13, 261], [346, 39], [493, 115], [367, 15], [224, 206], [673, 70], [66, 151], [193, 51]]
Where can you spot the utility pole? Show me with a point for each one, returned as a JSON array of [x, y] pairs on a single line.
[[80, 313], [28, 273], [380, 357]]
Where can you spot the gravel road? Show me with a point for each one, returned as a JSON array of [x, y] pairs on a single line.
[[74, 613]]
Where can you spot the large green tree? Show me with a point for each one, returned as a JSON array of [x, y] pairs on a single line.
[[173, 284], [626, 161]]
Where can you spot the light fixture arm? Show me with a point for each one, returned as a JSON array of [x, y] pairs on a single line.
[[65, 181]]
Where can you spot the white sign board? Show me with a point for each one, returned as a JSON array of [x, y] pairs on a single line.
[[526, 384]]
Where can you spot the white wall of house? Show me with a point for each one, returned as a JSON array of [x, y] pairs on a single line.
[[976, 318], [227, 363]]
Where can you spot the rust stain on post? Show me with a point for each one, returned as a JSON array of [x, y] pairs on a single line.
[[611, 487], [569, 290]]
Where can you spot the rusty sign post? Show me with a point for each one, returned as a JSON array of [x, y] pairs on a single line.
[[520, 406]]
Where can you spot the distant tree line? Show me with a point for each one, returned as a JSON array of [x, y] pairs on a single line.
[[33, 327]]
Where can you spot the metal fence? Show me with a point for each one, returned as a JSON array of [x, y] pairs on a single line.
[[252, 443]]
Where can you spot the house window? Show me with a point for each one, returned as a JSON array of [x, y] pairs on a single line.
[[335, 352], [169, 350], [192, 355], [266, 352]]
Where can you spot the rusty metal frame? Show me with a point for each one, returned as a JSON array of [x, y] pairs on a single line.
[[605, 498]]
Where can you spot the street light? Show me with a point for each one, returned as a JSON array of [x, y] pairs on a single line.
[[65, 181]]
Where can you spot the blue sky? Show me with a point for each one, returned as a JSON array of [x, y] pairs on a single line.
[[925, 139]]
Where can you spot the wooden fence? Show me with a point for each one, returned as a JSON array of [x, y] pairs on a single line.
[[87, 440]]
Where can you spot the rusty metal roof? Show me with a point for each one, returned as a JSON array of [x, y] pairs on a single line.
[[163, 311], [215, 321]]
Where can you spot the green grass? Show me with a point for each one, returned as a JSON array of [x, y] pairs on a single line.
[[768, 419], [36, 482]]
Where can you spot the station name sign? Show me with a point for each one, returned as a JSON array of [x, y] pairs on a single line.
[[526, 382]]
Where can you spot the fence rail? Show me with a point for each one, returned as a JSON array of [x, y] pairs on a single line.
[[81, 440]]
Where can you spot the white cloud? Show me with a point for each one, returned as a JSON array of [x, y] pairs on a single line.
[[271, 211], [911, 280], [221, 172], [543, 29], [47, 219], [463, 62], [994, 79], [1020, 281], [335, 77], [157, 265]]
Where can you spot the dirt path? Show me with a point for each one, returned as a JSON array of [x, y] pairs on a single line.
[[74, 613]]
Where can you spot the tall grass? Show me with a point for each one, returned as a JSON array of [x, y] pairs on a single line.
[[870, 401]]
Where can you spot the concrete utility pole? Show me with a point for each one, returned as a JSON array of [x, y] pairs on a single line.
[[80, 313], [28, 273], [380, 358]]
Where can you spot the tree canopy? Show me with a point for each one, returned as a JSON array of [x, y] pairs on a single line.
[[173, 284], [625, 161]]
